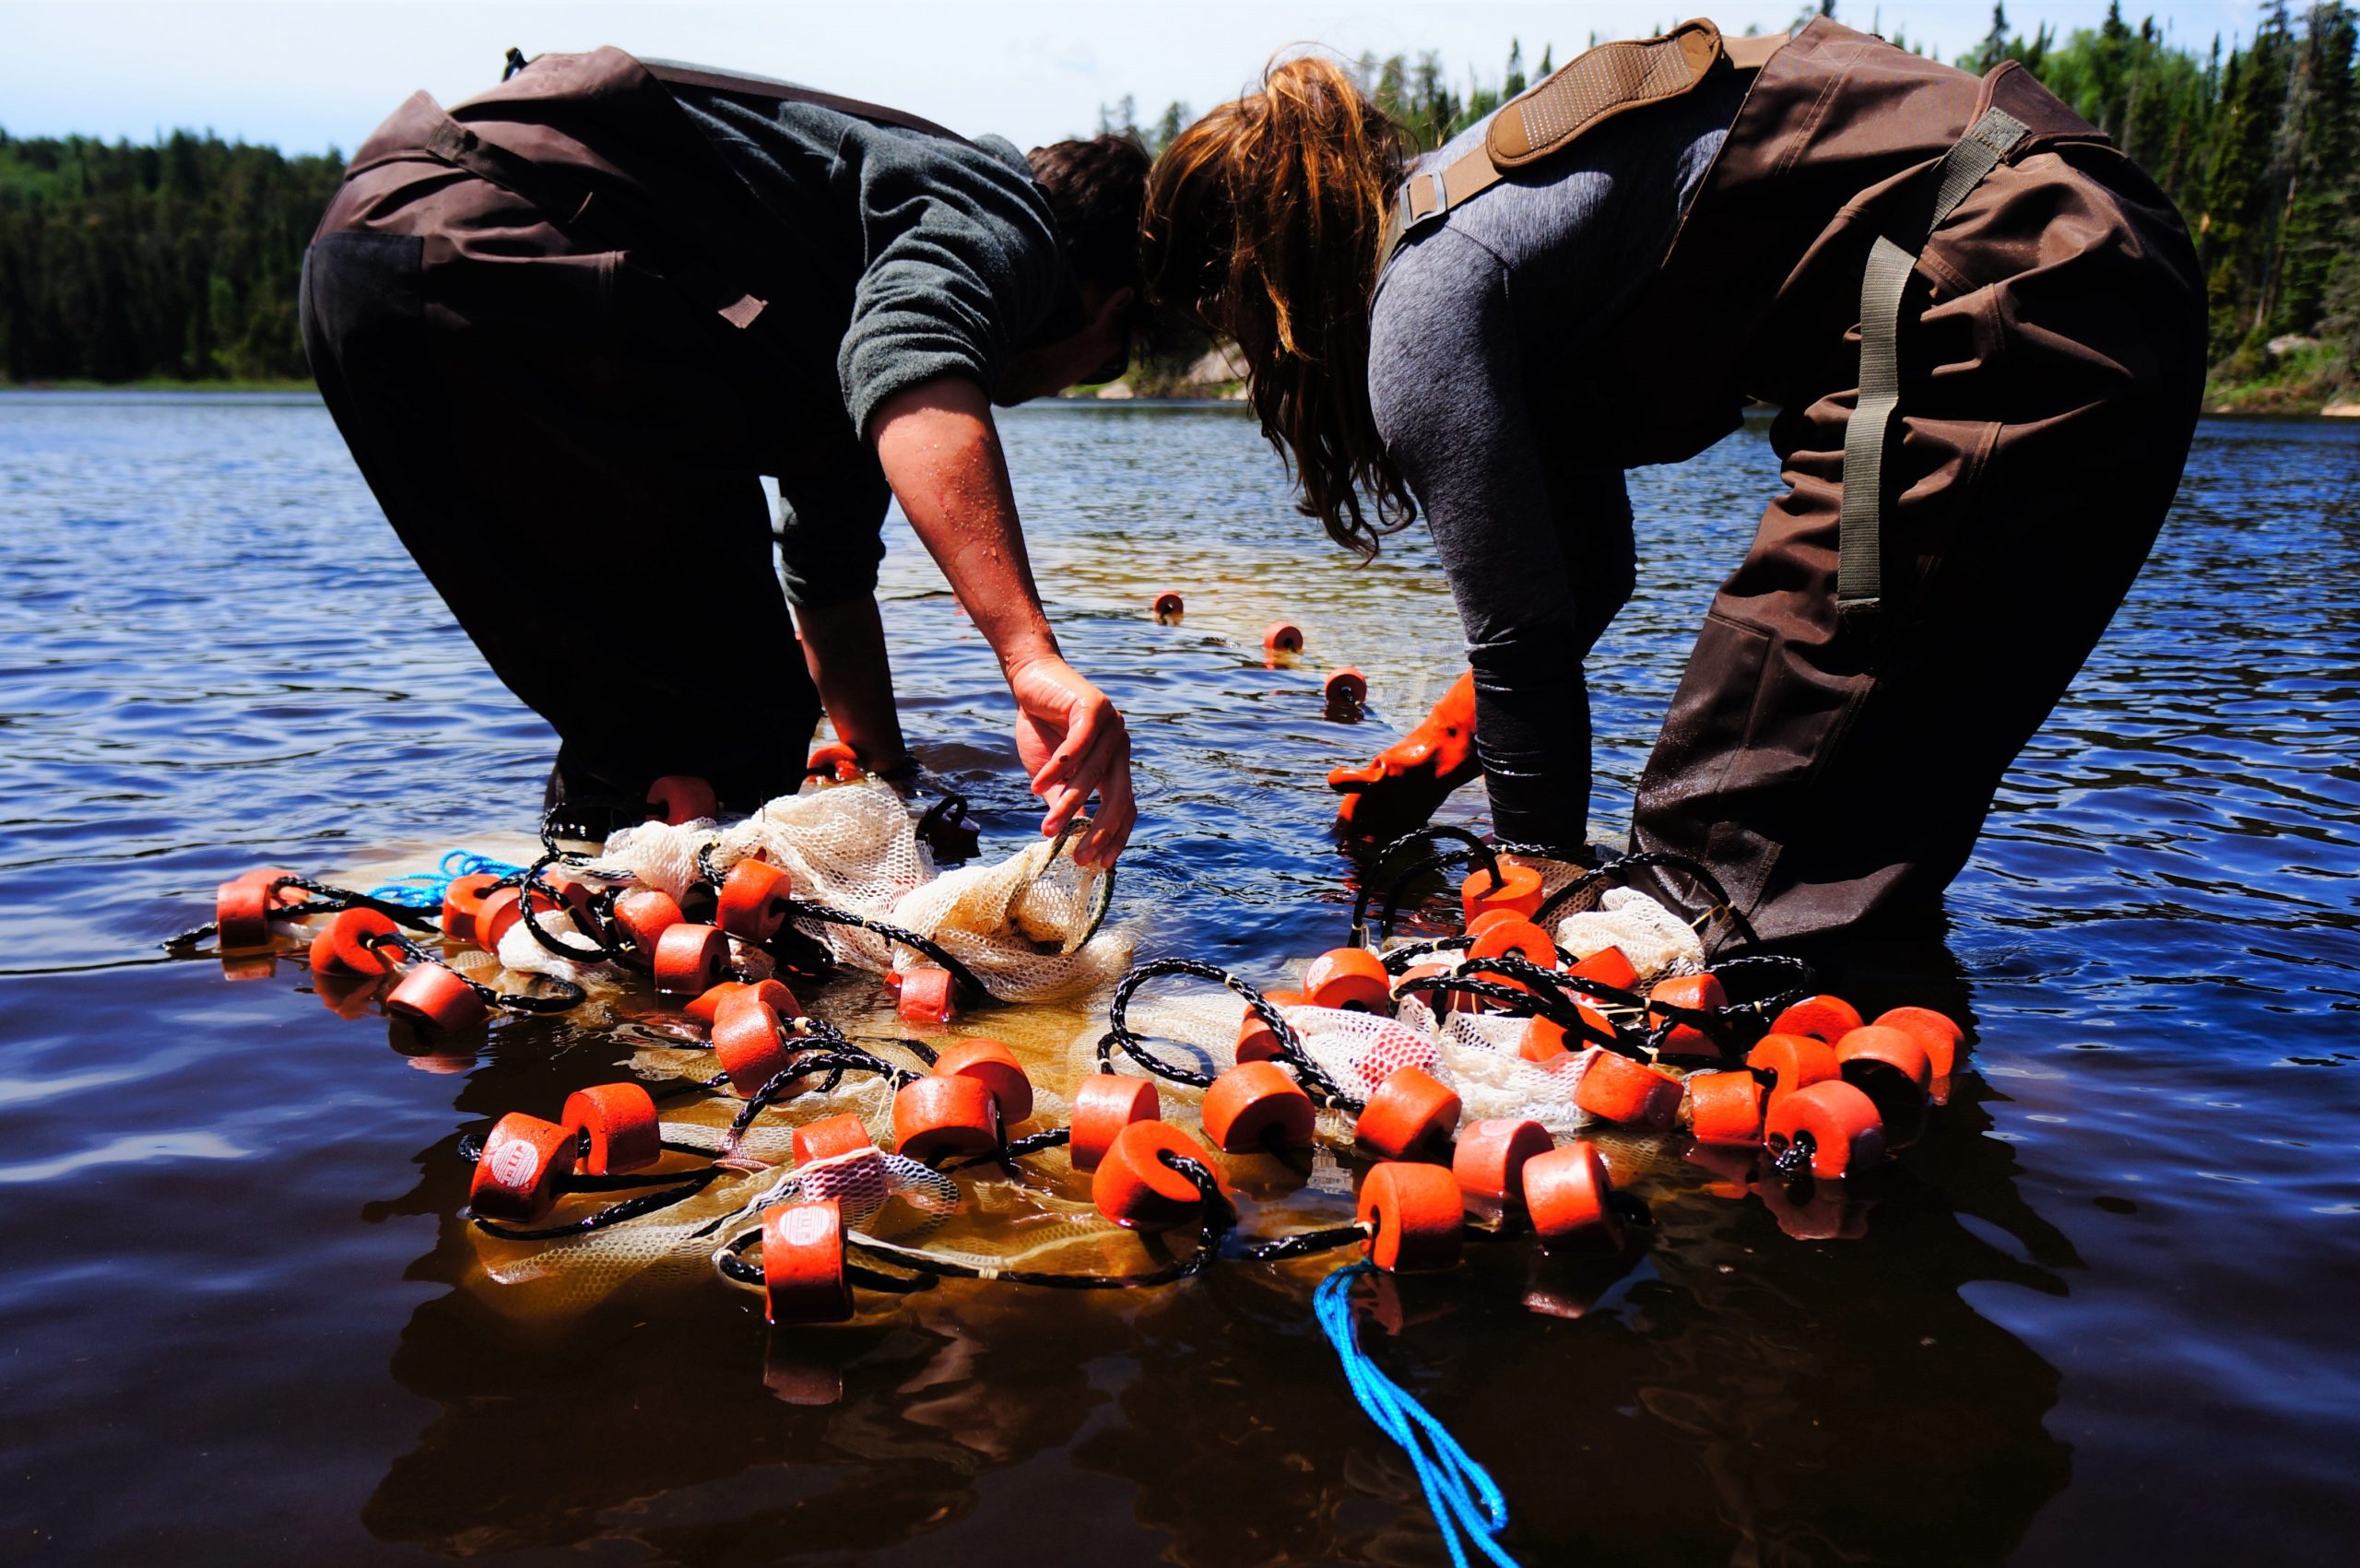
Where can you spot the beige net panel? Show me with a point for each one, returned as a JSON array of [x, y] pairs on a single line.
[[1027, 927]]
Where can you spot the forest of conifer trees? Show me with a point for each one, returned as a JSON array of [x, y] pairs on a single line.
[[178, 261]]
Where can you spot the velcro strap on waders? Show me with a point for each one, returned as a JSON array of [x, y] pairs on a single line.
[[1860, 560], [1585, 92]]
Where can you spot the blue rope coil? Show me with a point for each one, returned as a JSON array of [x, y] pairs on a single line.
[[1464, 1499], [425, 890]]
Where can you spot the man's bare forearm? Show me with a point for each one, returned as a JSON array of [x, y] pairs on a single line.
[[843, 645]]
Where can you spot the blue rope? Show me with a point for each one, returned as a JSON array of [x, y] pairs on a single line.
[[424, 890], [1466, 1502]]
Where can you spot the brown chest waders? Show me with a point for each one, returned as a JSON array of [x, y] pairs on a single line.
[[544, 322], [1983, 329]]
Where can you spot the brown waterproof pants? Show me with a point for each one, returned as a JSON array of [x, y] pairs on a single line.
[[2052, 353]]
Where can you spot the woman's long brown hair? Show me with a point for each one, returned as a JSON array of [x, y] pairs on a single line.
[[1263, 220]]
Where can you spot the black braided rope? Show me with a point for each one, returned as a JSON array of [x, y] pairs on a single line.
[[1316, 1082], [797, 909]]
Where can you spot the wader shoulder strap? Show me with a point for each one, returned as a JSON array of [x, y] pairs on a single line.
[[769, 90], [1585, 92], [1859, 562]]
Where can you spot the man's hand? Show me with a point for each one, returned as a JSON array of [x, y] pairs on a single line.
[[941, 454], [1074, 744]]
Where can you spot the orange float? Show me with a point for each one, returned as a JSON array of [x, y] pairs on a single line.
[[929, 996], [1790, 1062], [436, 996], [834, 761], [1567, 1196], [752, 903], [1256, 1041], [1821, 1018], [1846, 1132], [522, 1161], [1696, 993], [348, 946], [1433, 1000], [1345, 688], [750, 1043], [1353, 978], [682, 798], [940, 1118], [999, 1070], [1517, 891], [1103, 1107], [1609, 966], [621, 1121], [803, 1263], [1283, 637], [644, 914], [1168, 604], [1414, 1216], [461, 900], [830, 1137], [1491, 1156], [1518, 937], [1620, 1089], [241, 912], [501, 909], [782, 1000], [1255, 1106], [1725, 1107], [1411, 1113], [1134, 1188], [1551, 1044], [1942, 1038], [691, 959], [1889, 1066]]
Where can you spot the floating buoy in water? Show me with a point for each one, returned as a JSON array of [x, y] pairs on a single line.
[[782, 1000], [1256, 1041], [1689, 993], [1345, 691], [1788, 1062], [1517, 936], [1415, 1215], [1566, 1193], [1491, 1156], [749, 1040], [1942, 1038], [1725, 1107], [621, 1121], [1890, 1067], [691, 959], [1620, 1089], [1822, 1018], [1169, 605], [803, 1263], [243, 908], [834, 761], [941, 1118], [1839, 1125], [682, 798], [1135, 1189], [348, 945], [929, 996], [1411, 1113], [433, 994], [1516, 889], [996, 1067], [644, 914], [1257, 1105], [753, 900], [1103, 1107], [830, 1137], [1283, 637], [1351, 978], [517, 1176], [462, 901]]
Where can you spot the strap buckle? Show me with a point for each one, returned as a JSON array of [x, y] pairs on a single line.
[[1411, 219]]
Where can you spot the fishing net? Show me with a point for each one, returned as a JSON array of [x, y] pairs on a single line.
[[1029, 927], [1658, 942]]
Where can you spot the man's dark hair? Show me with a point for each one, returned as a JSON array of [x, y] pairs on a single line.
[[1096, 189]]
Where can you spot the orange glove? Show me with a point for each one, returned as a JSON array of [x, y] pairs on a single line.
[[1399, 787]]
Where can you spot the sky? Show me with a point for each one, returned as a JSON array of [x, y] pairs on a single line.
[[310, 76]]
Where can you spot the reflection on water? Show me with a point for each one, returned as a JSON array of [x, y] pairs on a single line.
[[2087, 1316]]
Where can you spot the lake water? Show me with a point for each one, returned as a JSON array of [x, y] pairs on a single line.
[[2096, 1315]]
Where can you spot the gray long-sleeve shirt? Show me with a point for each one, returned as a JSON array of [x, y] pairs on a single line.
[[957, 265], [1478, 322]]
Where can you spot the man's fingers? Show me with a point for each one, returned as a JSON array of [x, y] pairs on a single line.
[[1110, 831]]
